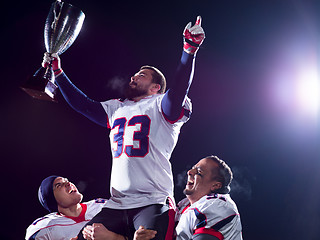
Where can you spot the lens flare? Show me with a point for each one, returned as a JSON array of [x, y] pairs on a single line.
[[307, 90]]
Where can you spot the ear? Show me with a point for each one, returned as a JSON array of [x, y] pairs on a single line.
[[215, 186], [155, 88]]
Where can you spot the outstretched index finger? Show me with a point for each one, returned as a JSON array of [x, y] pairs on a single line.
[[198, 21]]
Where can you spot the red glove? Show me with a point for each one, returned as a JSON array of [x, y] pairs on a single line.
[[193, 37], [55, 62]]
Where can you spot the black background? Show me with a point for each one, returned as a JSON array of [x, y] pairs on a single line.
[[269, 140]]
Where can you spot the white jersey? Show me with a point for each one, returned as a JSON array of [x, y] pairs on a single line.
[[142, 141], [215, 214], [57, 227]]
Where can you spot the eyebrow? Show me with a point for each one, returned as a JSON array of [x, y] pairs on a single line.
[[197, 167], [59, 183]]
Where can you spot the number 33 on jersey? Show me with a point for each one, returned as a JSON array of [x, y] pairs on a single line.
[[142, 141], [133, 124]]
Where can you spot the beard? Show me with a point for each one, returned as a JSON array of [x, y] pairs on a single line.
[[130, 92], [187, 192]]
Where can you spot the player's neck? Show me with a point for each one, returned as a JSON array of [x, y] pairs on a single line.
[[193, 199], [137, 99], [73, 211]]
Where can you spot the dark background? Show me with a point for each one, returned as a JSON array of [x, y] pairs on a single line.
[[246, 104]]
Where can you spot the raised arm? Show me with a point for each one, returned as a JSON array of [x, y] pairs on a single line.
[[174, 98], [74, 96]]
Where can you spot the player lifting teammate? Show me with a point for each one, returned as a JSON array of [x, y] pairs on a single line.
[[67, 214]]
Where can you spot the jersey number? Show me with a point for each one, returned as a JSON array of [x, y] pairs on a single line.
[[142, 136]]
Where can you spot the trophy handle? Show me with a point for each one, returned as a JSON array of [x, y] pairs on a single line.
[[56, 9]]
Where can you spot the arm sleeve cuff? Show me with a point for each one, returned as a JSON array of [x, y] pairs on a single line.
[[209, 231]]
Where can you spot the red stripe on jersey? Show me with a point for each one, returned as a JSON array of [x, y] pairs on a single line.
[[171, 216], [81, 216], [209, 231], [185, 208], [172, 122], [171, 223], [108, 124]]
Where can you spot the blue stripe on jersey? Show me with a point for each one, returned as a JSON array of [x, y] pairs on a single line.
[[222, 223], [201, 217]]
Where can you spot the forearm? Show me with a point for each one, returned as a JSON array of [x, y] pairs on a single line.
[[80, 102], [183, 78], [174, 98]]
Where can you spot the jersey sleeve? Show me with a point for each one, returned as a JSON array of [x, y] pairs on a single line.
[[185, 111], [214, 213], [109, 108], [44, 234], [33, 237], [94, 207], [37, 232]]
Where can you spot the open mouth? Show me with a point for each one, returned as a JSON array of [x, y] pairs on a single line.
[[190, 183], [72, 190]]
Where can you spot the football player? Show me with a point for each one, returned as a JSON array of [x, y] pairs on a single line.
[[67, 214], [208, 212], [144, 130]]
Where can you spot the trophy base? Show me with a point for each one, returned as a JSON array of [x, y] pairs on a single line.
[[47, 94], [40, 87]]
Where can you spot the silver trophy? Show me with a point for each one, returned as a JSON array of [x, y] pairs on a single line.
[[62, 27]]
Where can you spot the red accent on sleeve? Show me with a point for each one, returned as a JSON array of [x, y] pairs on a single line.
[[209, 231], [108, 125], [172, 122]]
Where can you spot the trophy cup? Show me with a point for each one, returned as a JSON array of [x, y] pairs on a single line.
[[62, 27]]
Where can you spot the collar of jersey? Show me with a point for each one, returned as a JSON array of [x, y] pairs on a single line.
[[146, 97], [81, 216]]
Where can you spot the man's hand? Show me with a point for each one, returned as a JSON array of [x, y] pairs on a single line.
[[193, 37], [98, 231], [55, 62], [144, 234]]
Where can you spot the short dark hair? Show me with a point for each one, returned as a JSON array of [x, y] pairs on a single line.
[[157, 77], [224, 176]]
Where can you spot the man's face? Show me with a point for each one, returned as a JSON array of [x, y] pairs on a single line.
[[200, 180], [140, 84], [66, 193]]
